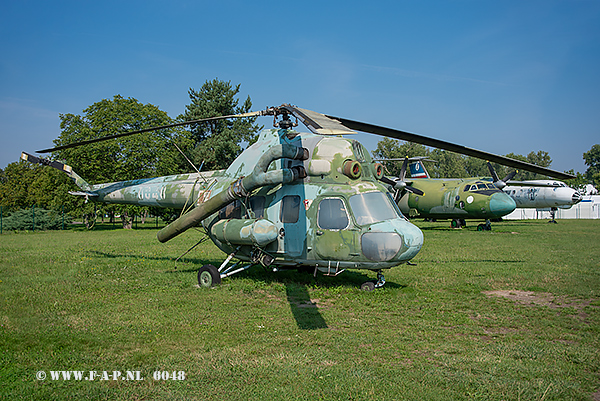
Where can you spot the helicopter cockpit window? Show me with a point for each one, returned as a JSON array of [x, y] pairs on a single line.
[[491, 186], [290, 209], [372, 207], [257, 204], [467, 188], [481, 186], [332, 214], [231, 211]]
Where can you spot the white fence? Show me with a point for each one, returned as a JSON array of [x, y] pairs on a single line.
[[588, 208]]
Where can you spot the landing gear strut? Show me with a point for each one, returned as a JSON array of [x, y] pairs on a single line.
[[371, 285], [553, 215], [485, 227]]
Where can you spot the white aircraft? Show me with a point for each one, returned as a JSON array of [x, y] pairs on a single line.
[[538, 194]]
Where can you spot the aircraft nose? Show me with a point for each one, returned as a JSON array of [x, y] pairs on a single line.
[[576, 198], [390, 245], [501, 204]]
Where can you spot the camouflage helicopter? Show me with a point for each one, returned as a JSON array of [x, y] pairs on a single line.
[[289, 200]]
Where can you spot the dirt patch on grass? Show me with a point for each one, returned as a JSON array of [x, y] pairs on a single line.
[[531, 298]]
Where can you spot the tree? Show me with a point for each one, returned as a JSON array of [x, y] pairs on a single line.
[[390, 149], [218, 143], [592, 160], [143, 155]]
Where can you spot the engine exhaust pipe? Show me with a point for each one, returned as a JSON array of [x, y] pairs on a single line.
[[241, 187]]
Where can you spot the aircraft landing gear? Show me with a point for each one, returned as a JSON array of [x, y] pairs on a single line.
[[485, 227], [208, 276], [553, 215], [371, 285], [458, 223]]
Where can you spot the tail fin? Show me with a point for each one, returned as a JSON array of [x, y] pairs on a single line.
[[81, 183], [417, 169]]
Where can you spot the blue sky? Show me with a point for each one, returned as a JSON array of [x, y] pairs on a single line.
[[500, 76]]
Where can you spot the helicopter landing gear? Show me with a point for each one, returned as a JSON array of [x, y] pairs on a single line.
[[371, 285], [208, 276], [485, 227]]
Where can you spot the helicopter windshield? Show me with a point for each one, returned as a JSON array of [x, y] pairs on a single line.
[[372, 207]]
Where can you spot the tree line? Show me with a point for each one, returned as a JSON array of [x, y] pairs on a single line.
[[212, 145], [449, 164]]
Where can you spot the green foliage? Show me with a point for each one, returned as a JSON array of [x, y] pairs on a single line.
[[218, 143], [149, 154], [144, 155], [43, 219], [23, 185], [453, 165], [592, 160]]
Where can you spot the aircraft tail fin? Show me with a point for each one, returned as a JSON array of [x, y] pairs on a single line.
[[417, 169], [81, 183]]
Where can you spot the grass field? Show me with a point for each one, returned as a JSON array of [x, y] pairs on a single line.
[[512, 314]]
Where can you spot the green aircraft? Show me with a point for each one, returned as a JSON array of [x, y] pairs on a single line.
[[457, 199], [290, 200]]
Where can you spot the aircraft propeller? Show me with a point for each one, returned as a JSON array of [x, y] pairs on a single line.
[[400, 184], [500, 183]]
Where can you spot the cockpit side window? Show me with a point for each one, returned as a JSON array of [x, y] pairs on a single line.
[[467, 188], [372, 207], [332, 214], [481, 186]]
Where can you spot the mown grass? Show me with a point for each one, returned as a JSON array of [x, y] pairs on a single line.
[[109, 300]]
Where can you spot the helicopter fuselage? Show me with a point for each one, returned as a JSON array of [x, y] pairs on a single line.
[[339, 216], [336, 216]]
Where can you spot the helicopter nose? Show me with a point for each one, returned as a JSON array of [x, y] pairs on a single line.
[[383, 246], [501, 204]]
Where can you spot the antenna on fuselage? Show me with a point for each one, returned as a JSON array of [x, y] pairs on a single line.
[[192, 164]]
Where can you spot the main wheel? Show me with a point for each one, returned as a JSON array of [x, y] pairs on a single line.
[[367, 286], [208, 276]]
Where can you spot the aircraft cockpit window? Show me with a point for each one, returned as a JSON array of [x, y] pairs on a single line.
[[372, 207], [332, 214], [481, 186], [491, 186], [467, 188], [257, 204], [290, 209], [231, 211]]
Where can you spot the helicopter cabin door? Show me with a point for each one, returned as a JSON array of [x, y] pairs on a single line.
[[291, 226], [335, 238]]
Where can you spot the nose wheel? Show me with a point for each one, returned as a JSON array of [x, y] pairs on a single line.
[[371, 285]]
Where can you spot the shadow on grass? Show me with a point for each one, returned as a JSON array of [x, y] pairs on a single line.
[[304, 309], [297, 283]]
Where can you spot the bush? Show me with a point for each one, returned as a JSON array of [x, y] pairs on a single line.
[[44, 220]]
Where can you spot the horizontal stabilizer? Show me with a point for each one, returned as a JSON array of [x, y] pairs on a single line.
[[81, 193]]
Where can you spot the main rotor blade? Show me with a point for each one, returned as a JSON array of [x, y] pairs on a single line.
[[124, 134], [437, 143], [318, 123]]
